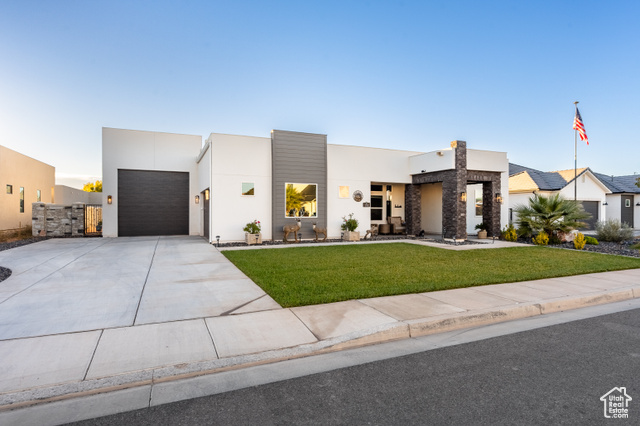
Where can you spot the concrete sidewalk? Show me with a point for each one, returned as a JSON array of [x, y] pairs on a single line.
[[95, 316]]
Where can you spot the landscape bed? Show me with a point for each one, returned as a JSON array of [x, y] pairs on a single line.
[[299, 276]]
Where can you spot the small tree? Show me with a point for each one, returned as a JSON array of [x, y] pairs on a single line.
[[93, 186], [638, 182], [550, 214]]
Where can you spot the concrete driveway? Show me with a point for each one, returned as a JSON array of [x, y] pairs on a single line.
[[71, 285]]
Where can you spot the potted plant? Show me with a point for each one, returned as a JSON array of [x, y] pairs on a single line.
[[349, 227], [482, 230], [252, 234]]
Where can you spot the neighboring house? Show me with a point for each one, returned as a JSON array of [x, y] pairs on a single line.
[[164, 184], [623, 202], [605, 197], [23, 181], [67, 195]]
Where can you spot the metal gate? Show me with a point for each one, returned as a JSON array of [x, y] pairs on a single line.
[[93, 220]]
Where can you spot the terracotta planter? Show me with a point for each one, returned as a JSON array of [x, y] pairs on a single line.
[[253, 238], [482, 234], [351, 236]]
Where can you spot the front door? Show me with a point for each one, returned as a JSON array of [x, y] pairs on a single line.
[[626, 210]]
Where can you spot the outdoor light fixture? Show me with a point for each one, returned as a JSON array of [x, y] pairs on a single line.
[[206, 194], [218, 239], [109, 199], [197, 199], [499, 198], [463, 197]]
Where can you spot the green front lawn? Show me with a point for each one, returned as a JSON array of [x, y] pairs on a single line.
[[312, 275]]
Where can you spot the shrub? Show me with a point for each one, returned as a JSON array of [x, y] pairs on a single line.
[[550, 214], [591, 240], [252, 227], [614, 231], [579, 241], [542, 239], [509, 233], [350, 224]]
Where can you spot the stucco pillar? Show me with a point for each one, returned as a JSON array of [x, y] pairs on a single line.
[[413, 208], [454, 208]]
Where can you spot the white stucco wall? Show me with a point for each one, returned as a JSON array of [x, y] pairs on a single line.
[[613, 209], [431, 208], [236, 159], [142, 150], [19, 171], [357, 167], [67, 195], [435, 161]]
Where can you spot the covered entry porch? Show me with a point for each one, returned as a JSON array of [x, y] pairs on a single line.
[[459, 191]]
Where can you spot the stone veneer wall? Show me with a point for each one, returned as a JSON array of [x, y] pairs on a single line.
[[56, 220]]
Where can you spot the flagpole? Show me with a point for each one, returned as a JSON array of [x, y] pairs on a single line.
[[575, 160]]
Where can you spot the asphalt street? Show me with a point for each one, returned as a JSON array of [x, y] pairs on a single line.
[[550, 375]]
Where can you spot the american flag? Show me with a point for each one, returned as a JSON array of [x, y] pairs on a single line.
[[577, 125]]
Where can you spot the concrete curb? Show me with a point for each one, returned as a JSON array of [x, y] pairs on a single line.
[[384, 333]]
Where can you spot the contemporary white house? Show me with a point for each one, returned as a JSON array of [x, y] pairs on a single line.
[[163, 184], [24, 181], [605, 197]]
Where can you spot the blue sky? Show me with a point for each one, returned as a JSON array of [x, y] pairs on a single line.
[[501, 75]]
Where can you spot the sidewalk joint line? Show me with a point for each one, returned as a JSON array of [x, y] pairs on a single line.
[[211, 335], [144, 286], [305, 324], [93, 355], [226, 313]]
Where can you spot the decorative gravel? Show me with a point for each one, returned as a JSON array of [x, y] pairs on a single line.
[[4, 273], [385, 238], [620, 249]]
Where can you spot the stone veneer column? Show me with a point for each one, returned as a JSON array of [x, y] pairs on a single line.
[[412, 211], [490, 207], [454, 211], [77, 220], [38, 224]]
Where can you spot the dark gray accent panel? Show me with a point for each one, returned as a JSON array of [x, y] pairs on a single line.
[[592, 208], [153, 203], [298, 158], [626, 213]]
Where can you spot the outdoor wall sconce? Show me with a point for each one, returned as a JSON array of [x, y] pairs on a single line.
[[463, 197], [218, 240], [206, 195], [197, 199], [109, 199], [499, 198]]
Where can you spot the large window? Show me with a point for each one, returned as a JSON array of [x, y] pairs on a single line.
[[301, 200]]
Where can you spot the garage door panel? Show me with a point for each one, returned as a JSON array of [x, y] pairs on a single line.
[[591, 207], [153, 203]]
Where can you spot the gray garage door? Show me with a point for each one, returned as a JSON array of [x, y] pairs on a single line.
[[153, 203], [591, 207]]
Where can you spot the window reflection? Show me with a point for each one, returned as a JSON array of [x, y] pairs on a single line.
[[301, 200]]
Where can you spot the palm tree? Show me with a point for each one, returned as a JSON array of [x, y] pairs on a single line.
[[550, 214], [293, 198]]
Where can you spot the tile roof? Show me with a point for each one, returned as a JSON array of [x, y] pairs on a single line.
[[523, 178], [618, 184]]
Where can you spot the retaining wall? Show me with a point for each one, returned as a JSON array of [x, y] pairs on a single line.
[[58, 220]]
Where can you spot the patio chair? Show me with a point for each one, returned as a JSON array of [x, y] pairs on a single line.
[[396, 225]]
